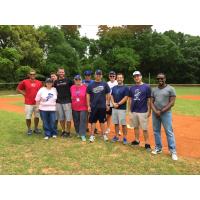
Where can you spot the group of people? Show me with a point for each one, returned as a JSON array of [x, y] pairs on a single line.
[[89, 101]]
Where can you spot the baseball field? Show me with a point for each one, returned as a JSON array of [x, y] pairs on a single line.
[[22, 154]]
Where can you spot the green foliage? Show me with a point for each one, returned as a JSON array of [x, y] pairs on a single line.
[[22, 72]]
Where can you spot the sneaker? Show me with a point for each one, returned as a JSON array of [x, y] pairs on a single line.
[[125, 141], [115, 139], [54, 136], [83, 138], [92, 138], [156, 151], [63, 133], [37, 131], [135, 142], [95, 131], [105, 138], [107, 131], [46, 137], [29, 132], [148, 147], [174, 156]]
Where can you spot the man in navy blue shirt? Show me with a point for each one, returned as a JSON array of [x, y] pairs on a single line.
[[119, 97], [98, 97], [88, 77], [140, 108]]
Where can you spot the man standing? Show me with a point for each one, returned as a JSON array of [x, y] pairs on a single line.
[[88, 77], [140, 95], [63, 103], [163, 98], [119, 97], [111, 83], [29, 88], [98, 97]]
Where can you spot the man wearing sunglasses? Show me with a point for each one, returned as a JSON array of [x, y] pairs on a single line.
[[163, 98], [29, 88]]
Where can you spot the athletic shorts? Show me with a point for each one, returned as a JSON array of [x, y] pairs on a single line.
[[29, 110], [119, 116], [110, 111], [64, 112], [139, 120], [97, 114]]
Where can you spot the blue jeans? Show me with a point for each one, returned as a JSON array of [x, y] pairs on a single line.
[[49, 118], [166, 120], [80, 120]]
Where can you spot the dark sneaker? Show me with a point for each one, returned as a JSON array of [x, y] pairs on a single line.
[[29, 132], [125, 141], [67, 134], [37, 131], [148, 147], [63, 134], [135, 142], [95, 131], [115, 139], [156, 151]]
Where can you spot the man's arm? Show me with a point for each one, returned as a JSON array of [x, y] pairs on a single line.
[[169, 105], [108, 101], [149, 107], [129, 104], [123, 100], [157, 112]]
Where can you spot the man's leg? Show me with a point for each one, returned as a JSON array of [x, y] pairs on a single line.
[[76, 119], [28, 124], [135, 121], [108, 116], [28, 113], [68, 117]]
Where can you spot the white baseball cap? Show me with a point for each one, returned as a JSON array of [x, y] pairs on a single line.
[[136, 73]]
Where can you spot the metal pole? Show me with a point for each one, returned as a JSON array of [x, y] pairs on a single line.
[[149, 78]]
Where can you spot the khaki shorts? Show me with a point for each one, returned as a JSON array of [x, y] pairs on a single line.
[[119, 116], [64, 112], [139, 120], [29, 110]]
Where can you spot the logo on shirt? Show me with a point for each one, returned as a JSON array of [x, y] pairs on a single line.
[[137, 95], [50, 95], [98, 89]]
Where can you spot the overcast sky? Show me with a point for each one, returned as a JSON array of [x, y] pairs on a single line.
[[91, 30]]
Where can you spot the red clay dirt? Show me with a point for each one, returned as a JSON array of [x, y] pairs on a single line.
[[186, 128], [190, 97]]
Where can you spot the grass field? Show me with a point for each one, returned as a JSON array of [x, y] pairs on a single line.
[[20, 154]]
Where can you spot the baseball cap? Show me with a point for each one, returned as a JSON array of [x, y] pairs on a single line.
[[77, 77], [48, 80], [98, 72], [112, 73], [88, 73], [136, 73]]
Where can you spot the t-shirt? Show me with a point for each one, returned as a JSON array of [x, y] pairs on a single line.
[[79, 99], [63, 88], [31, 88], [47, 99], [118, 93], [111, 85], [98, 91], [87, 82], [139, 95], [162, 96]]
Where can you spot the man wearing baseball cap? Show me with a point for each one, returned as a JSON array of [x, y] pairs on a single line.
[[139, 97], [98, 97]]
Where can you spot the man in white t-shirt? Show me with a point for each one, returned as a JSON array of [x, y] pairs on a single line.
[[111, 83]]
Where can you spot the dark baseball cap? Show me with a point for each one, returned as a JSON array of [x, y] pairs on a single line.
[[98, 72], [77, 77], [112, 73], [88, 73]]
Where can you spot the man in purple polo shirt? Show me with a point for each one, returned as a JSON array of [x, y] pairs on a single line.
[[139, 101]]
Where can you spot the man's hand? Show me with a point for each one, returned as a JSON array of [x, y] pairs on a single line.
[[107, 107], [89, 109], [158, 113], [148, 114], [116, 105]]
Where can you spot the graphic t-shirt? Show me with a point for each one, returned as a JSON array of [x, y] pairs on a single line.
[[78, 94], [162, 96], [47, 99], [98, 91], [111, 85], [118, 93], [63, 88], [31, 88], [139, 95]]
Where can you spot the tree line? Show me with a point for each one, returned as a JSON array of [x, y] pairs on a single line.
[[120, 48]]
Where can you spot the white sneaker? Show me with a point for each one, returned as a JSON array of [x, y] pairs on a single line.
[[92, 138], [174, 156], [105, 138], [46, 138], [54, 136], [156, 151], [107, 131]]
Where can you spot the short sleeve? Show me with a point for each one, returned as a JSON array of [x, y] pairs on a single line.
[[126, 91], [148, 91], [107, 88], [172, 92], [21, 86], [152, 92], [38, 95], [89, 89], [113, 90], [130, 92]]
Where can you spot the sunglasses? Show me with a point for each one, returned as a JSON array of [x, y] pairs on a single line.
[[112, 76], [77, 79], [160, 79]]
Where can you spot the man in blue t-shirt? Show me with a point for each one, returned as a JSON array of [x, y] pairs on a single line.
[[98, 97], [140, 108], [119, 97]]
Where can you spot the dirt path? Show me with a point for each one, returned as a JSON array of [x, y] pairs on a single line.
[[186, 128], [190, 97]]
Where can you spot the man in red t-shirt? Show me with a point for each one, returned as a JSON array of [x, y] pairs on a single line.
[[29, 88]]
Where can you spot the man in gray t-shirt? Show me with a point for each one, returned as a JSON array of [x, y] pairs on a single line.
[[162, 99]]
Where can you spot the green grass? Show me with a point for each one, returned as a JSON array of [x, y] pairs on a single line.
[[187, 90], [22, 154]]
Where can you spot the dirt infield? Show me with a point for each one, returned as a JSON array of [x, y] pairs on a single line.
[[191, 97], [186, 130]]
